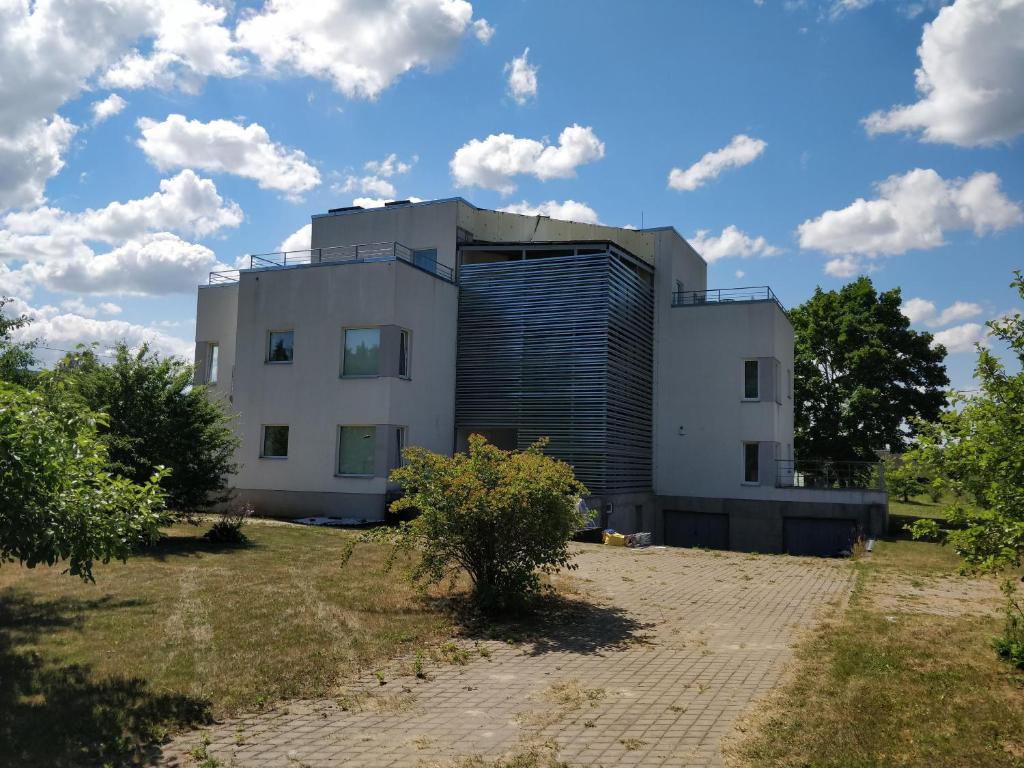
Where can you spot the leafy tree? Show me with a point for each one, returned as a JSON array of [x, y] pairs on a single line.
[[155, 416], [862, 376], [16, 360], [902, 477], [502, 517], [57, 501]]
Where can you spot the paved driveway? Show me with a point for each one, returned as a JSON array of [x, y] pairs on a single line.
[[652, 669]]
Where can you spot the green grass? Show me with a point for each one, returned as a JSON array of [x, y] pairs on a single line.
[[885, 686], [920, 506], [93, 672]]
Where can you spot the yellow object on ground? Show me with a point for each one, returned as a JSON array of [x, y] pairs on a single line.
[[614, 539]]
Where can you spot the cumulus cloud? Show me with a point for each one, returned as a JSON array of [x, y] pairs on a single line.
[[742, 150], [570, 210], [376, 182], [29, 158], [379, 202], [922, 311], [912, 211], [107, 108], [846, 266], [731, 242], [492, 163], [227, 147], [961, 338], [299, 240], [483, 31], [970, 81], [522, 78], [362, 48]]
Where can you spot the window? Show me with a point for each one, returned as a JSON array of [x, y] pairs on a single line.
[[212, 360], [789, 384], [359, 357], [275, 442], [397, 460], [403, 354], [751, 471], [357, 450], [280, 346], [750, 391], [426, 258]]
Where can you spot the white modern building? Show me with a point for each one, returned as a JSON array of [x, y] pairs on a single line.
[[422, 323]]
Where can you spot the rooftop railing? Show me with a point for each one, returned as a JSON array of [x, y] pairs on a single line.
[[338, 254], [824, 474], [724, 296]]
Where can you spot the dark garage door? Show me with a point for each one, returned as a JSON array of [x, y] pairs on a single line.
[[696, 529], [821, 537]]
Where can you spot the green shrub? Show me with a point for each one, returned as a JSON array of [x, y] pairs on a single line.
[[901, 477], [502, 517], [1010, 645], [228, 529]]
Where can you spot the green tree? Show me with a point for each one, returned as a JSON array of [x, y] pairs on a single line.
[[902, 475], [57, 501], [156, 416], [502, 517], [16, 359], [862, 376]]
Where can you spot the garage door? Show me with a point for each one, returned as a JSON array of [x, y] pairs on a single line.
[[696, 529], [817, 536]]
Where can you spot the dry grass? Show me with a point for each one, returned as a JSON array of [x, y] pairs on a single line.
[[190, 630], [902, 678]]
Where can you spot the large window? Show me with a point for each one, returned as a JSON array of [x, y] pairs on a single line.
[[751, 470], [275, 442], [357, 450], [361, 352], [403, 354], [212, 363], [750, 390], [280, 346]]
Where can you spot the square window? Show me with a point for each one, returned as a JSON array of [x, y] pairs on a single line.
[[357, 450], [275, 442], [403, 354], [750, 371], [751, 455], [359, 357], [280, 347], [212, 363]]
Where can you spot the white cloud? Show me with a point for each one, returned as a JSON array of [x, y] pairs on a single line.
[[961, 338], [740, 274], [492, 162], [912, 211], [377, 181], [483, 31], [846, 266], [840, 7], [389, 166], [109, 308], [378, 202], [741, 151], [570, 210], [191, 43], [30, 157], [107, 108], [361, 47], [731, 242], [522, 78], [227, 147], [299, 240], [923, 311], [970, 80]]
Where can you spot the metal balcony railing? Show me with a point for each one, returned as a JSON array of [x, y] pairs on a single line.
[[824, 474], [725, 296], [337, 254]]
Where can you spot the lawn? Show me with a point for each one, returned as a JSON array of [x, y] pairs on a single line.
[[904, 676], [91, 673]]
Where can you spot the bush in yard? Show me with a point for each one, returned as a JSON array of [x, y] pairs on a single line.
[[228, 529], [57, 501], [155, 416], [502, 517]]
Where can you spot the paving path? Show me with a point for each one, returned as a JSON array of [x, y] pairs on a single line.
[[652, 668]]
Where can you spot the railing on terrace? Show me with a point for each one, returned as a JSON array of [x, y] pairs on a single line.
[[823, 474], [363, 252], [724, 296]]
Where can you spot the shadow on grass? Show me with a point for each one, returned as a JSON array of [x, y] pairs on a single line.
[[556, 623], [191, 546], [58, 715]]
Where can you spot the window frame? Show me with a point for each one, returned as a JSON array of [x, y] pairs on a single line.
[[337, 461], [263, 441], [401, 441], [212, 362], [404, 353], [344, 350], [757, 379], [269, 347], [757, 462]]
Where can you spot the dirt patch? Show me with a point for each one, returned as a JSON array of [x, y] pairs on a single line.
[[950, 596]]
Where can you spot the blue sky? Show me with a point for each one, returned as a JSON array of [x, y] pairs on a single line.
[[256, 116]]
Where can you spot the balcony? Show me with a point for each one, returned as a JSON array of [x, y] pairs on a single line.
[[339, 254], [725, 296], [830, 475]]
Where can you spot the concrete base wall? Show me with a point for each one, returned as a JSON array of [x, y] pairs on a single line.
[[291, 504]]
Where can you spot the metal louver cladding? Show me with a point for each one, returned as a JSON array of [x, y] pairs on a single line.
[[561, 347]]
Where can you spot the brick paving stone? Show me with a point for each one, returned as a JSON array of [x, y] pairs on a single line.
[[674, 646]]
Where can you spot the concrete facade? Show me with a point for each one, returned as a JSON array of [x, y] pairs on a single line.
[[702, 417]]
